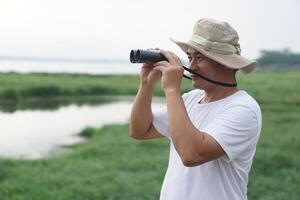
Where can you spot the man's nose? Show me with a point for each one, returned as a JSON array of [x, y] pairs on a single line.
[[193, 63]]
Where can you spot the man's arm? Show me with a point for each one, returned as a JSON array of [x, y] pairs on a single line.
[[141, 115], [193, 146]]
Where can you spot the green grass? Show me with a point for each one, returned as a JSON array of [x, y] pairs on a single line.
[[14, 86], [271, 87], [18, 87], [112, 166], [267, 86]]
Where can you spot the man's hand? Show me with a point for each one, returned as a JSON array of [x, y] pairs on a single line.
[[149, 75], [141, 117], [171, 71]]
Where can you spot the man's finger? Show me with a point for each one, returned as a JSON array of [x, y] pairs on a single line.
[[175, 56], [162, 63], [160, 68], [171, 57]]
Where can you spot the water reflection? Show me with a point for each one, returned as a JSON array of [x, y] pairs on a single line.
[[55, 103], [34, 132]]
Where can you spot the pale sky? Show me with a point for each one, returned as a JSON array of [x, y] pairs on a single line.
[[111, 28]]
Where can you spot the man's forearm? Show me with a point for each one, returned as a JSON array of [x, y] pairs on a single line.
[[183, 132], [141, 113]]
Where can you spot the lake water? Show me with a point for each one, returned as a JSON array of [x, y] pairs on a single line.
[[26, 66], [32, 134]]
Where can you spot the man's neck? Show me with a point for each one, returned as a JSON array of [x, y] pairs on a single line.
[[217, 94]]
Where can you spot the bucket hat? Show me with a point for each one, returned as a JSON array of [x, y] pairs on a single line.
[[218, 40]]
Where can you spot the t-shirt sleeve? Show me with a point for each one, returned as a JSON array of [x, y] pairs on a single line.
[[160, 121], [236, 129]]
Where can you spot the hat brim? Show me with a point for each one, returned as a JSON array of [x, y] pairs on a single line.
[[233, 61]]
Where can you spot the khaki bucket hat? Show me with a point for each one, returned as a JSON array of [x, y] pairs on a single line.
[[218, 41]]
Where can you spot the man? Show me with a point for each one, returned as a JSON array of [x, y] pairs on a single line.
[[214, 129]]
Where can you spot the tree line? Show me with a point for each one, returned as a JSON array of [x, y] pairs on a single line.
[[279, 59]]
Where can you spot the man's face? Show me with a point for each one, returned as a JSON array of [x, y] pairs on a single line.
[[206, 67]]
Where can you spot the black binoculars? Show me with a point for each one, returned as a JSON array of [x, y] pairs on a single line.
[[146, 56]]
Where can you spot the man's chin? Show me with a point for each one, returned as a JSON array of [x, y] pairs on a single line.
[[198, 84]]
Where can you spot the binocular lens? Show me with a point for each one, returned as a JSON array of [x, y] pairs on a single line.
[[133, 56]]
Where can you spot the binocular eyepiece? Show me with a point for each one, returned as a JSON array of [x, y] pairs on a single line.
[[146, 56]]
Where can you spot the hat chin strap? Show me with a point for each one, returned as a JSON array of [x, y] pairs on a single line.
[[210, 80]]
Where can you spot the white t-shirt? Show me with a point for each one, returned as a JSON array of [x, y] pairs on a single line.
[[235, 123]]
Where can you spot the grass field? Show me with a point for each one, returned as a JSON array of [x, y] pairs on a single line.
[[112, 166]]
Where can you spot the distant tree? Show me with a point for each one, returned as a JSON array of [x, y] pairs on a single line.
[[282, 58]]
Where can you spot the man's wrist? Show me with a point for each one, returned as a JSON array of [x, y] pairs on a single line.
[[172, 91], [147, 87]]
